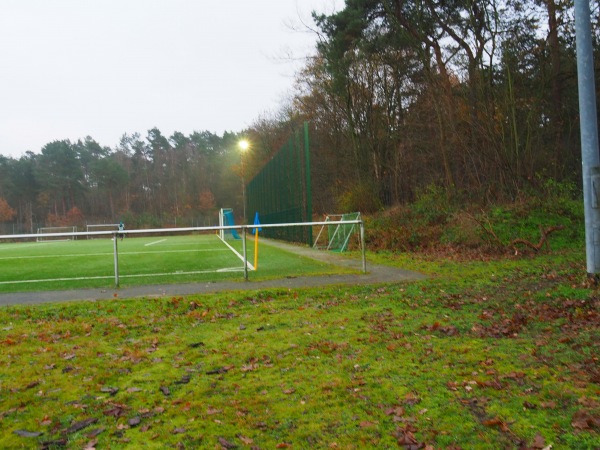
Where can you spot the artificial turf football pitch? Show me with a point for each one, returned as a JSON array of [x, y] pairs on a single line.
[[83, 263]]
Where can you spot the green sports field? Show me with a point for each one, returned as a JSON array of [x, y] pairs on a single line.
[[54, 265]]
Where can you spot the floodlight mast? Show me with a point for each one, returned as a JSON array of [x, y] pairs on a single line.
[[244, 145]]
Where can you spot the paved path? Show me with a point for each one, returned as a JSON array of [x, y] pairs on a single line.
[[375, 274]]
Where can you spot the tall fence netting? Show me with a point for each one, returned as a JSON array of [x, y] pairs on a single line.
[[281, 191]]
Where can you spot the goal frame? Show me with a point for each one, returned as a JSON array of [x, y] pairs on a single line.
[[62, 232], [338, 233], [227, 233]]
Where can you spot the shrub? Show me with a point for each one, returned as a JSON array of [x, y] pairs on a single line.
[[433, 221], [362, 197], [462, 231], [432, 205]]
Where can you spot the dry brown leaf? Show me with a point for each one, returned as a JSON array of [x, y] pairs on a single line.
[[134, 421], [585, 420], [91, 445], [245, 440], [411, 399], [226, 444], [395, 411], [80, 425], [539, 441], [46, 421], [407, 439], [588, 402], [165, 390], [95, 432], [109, 390], [26, 433], [496, 422]]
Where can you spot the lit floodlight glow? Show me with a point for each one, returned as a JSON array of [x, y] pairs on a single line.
[[244, 145]]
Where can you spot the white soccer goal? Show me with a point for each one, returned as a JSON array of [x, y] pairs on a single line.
[[101, 227], [226, 220], [335, 234], [43, 233]]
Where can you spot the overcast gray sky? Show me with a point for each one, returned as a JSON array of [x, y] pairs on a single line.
[[101, 68]]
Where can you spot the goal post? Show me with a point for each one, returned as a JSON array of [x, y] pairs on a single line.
[[60, 232], [226, 220]]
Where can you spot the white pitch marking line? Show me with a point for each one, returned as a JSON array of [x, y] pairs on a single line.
[[231, 269], [12, 246], [155, 242], [250, 266]]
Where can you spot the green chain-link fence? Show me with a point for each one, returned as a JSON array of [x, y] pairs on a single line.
[[281, 192]]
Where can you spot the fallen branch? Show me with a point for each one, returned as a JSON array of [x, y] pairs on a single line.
[[487, 227], [543, 239]]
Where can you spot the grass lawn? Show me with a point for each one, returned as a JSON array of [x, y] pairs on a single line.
[[38, 266], [484, 354]]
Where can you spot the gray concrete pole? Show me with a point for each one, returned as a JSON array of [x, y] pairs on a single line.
[[590, 158]]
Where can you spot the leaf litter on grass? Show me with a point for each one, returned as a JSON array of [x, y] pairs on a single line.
[[506, 361]]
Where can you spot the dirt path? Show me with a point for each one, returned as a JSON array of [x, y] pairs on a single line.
[[375, 274]]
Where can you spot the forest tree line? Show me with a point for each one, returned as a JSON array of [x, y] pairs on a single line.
[[145, 182], [475, 97]]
